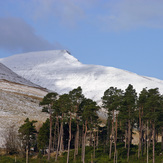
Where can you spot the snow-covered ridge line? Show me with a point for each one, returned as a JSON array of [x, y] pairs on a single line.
[[59, 71], [9, 75]]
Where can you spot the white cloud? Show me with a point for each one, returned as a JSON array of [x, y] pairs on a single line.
[[107, 14], [129, 14], [66, 12], [116, 15]]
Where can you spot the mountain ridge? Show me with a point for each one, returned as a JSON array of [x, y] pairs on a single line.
[[59, 71]]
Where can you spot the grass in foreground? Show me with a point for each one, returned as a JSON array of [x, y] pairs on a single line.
[[101, 156]]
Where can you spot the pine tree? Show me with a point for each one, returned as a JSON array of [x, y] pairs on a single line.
[[48, 101], [129, 104], [153, 105], [111, 102], [88, 111], [76, 97], [43, 136], [64, 106], [27, 133], [142, 100]]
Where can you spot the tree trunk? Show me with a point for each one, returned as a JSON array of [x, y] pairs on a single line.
[[140, 134], [112, 134], [150, 134], [77, 145], [84, 140], [115, 141], [144, 144], [69, 141], [90, 138], [55, 135], [59, 141], [129, 137], [147, 143], [27, 151], [50, 135], [153, 142], [108, 133], [162, 140], [94, 149], [97, 140], [82, 144], [76, 141]]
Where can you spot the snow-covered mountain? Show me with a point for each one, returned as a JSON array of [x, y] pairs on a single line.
[[9, 75], [11, 82], [19, 99], [59, 71]]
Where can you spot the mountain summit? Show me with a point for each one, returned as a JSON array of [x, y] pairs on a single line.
[[59, 71]]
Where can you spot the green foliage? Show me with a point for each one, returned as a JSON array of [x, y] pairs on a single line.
[[88, 110], [43, 136], [49, 98], [74, 108], [101, 156], [27, 133]]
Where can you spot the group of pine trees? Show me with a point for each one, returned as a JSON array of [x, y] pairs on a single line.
[[73, 121]]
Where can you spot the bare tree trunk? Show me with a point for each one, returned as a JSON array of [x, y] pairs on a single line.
[[69, 141], [129, 137], [153, 142], [55, 135], [144, 146], [150, 134], [84, 140], [97, 140], [59, 141], [115, 141], [147, 143], [77, 145], [76, 141], [27, 151], [112, 134], [140, 134], [94, 145], [50, 135], [82, 153], [108, 133]]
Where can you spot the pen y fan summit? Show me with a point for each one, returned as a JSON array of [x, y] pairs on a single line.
[[59, 71]]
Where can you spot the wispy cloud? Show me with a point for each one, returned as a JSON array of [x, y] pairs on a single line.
[[108, 15], [17, 36], [66, 12], [111, 15], [131, 14]]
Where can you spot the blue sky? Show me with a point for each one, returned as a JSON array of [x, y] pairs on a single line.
[[126, 34]]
